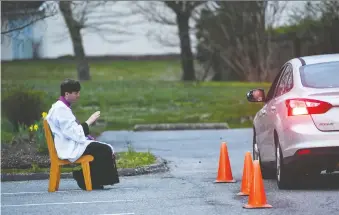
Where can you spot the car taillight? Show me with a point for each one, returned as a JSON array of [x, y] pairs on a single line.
[[304, 152], [297, 107]]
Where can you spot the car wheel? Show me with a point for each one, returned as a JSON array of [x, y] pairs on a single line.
[[266, 172], [283, 176]]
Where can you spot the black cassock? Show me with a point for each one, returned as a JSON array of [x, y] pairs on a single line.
[[103, 168]]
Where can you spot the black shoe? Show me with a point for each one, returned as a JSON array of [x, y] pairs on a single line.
[[77, 175], [79, 179], [97, 187]]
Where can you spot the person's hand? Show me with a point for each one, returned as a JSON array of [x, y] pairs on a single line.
[[93, 118]]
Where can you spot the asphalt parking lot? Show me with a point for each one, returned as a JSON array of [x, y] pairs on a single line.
[[187, 188]]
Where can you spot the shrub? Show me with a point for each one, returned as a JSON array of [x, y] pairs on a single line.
[[7, 130], [6, 125], [6, 137], [22, 106]]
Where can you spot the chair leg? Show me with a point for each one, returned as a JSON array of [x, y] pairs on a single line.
[[58, 179], [87, 175], [53, 177]]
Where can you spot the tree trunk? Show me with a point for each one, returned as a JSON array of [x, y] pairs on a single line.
[[74, 29], [187, 60], [334, 35], [216, 65], [296, 46]]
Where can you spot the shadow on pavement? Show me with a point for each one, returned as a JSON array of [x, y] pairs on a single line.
[[321, 182]]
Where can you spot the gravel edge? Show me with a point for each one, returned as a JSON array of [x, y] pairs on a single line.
[[159, 166]]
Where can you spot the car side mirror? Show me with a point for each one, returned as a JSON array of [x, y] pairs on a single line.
[[256, 95]]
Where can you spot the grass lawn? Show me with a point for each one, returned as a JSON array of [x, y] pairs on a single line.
[[138, 92]]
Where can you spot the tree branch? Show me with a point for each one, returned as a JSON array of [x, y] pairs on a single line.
[[30, 12], [24, 26]]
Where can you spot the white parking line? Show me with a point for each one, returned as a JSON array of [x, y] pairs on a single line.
[[119, 214], [21, 193], [65, 203]]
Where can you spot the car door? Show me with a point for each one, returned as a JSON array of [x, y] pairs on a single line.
[[272, 114], [262, 121]]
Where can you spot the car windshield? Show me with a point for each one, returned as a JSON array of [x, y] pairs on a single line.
[[323, 75]]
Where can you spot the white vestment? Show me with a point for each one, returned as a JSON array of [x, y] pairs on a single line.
[[69, 137]]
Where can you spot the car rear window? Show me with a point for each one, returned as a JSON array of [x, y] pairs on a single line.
[[322, 75]]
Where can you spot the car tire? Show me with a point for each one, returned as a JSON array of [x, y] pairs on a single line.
[[267, 173], [283, 175]]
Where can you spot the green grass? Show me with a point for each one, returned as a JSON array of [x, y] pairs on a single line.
[[128, 159], [100, 70], [139, 92], [133, 159]]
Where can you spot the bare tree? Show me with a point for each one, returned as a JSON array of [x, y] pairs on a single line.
[[234, 34], [74, 27], [318, 24], [91, 16], [182, 11]]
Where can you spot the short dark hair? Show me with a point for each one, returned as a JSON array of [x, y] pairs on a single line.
[[69, 86]]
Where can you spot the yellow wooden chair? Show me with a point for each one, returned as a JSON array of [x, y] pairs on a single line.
[[56, 163]]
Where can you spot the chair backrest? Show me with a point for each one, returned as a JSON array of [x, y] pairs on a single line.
[[50, 142]]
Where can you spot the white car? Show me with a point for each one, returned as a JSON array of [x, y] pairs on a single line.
[[297, 129]]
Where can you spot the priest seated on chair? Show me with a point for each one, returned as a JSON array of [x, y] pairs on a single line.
[[72, 139]]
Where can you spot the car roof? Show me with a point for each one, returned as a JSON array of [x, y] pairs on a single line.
[[314, 59]]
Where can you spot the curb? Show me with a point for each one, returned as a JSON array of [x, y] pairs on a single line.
[[159, 166], [180, 126]]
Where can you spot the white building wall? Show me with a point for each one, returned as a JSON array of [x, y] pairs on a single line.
[[6, 45], [56, 40], [18, 44]]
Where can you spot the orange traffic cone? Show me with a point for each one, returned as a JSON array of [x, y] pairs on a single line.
[[257, 196], [247, 175], [224, 171]]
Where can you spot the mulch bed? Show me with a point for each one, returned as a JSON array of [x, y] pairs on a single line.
[[22, 156]]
